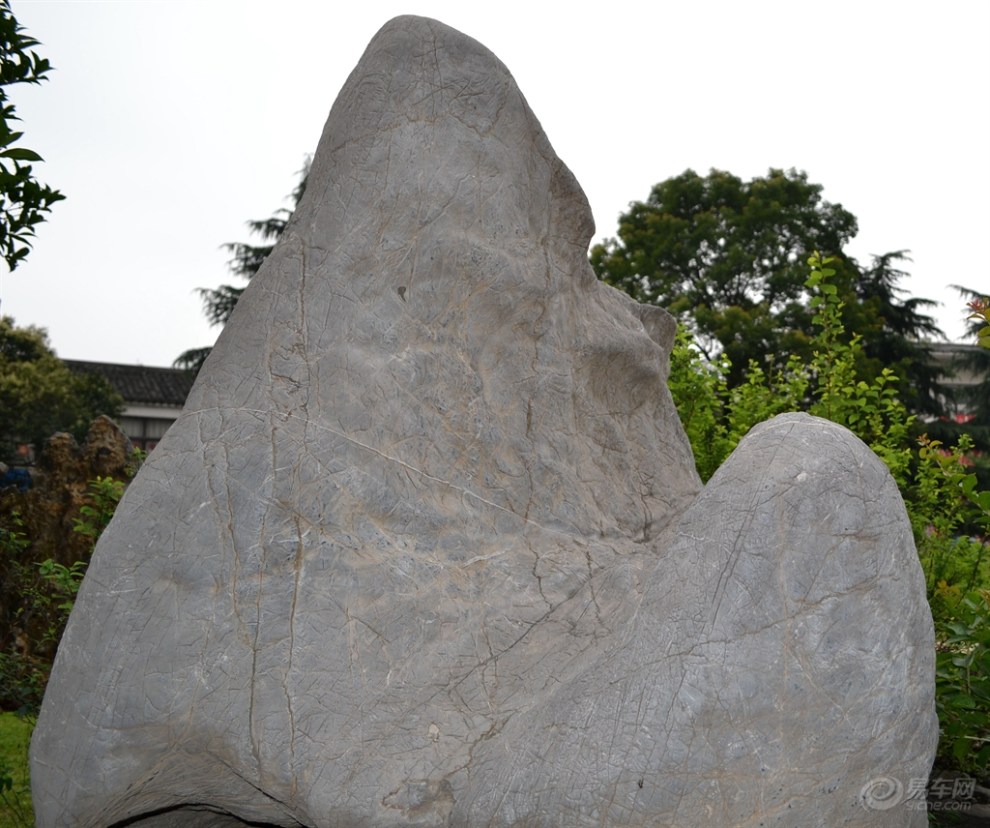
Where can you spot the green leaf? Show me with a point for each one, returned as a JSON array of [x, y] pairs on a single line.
[[963, 701], [960, 749], [21, 154], [10, 138]]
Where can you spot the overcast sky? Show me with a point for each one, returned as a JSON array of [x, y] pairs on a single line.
[[170, 123]]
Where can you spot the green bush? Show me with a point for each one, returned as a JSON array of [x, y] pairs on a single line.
[[962, 684], [15, 786], [46, 593]]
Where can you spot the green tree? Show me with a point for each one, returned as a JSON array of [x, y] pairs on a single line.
[[726, 256], [40, 396], [894, 331], [23, 201], [219, 303]]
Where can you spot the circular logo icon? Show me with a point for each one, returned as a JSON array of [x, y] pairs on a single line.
[[881, 793]]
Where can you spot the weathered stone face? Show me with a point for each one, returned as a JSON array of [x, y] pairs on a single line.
[[427, 545]]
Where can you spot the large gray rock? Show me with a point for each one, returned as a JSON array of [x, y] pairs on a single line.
[[427, 546]]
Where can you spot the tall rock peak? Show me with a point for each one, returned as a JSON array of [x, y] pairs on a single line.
[[427, 546]]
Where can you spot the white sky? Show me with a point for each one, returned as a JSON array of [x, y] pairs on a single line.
[[170, 123]]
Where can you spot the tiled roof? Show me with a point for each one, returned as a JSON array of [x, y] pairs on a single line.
[[140, 383]]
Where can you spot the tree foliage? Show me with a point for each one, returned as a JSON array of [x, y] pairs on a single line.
[[23, 201], [246, 260], [979, 316], [40, 396], [726, 256]]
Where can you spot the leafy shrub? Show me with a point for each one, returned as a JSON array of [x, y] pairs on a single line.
[[962, 684], [47, 592], [15, 785]]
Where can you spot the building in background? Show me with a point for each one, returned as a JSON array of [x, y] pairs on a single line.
[[959, 376], [153, 397]]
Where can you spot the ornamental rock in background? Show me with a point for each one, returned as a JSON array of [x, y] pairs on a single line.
[[427, 546]]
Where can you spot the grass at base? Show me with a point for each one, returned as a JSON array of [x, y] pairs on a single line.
[[15, 784]]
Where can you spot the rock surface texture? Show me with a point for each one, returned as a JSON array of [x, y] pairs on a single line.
[[427, 547]]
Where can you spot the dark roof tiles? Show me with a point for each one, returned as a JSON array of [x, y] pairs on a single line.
[[141, 383]]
